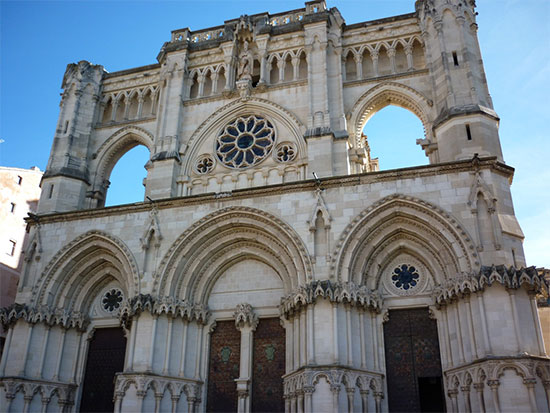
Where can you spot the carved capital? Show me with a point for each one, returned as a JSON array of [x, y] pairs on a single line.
[[245, 317]]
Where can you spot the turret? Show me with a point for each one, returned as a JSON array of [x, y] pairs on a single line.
[[66, 178], [466, 123]]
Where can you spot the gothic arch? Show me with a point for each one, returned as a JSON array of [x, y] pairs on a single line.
[[402, 223], [199, 255], [384, 94], [116, 146], [210, 127], [81, 267]]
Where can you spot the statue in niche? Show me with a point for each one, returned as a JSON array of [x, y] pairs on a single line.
[[244, 71]]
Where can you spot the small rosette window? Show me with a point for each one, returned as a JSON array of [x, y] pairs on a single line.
[[245, 142]]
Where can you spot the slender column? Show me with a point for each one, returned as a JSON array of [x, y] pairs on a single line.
[[295, 67], [350, 392], [536, 321], [165, 369], [364, 401], [77, 358], [293, 408], [310, 337], [459, 336], [115, 108], [175, 399], [473, 340], [9, 400], [27, 401], [303, 337], [289, 346], [335, 332], [374, 341], [374, 57], [546, 384], [214, 77], [296, 344], [446, 337], [343, 69], [281, 66], [466, 391], [59, 355], [263, 65], [493, 384], [408, 52], [308, 396], [45, 402], [191, 404], [140, 107], [201, 85], [183, 348], [362, 336], [512, 295], [199, 352], [484, 328], [131, 346], [335, 389], [5, 355], [43, 352], [246, 322], [119, 395], [25, 354], [391, 54], [530, 384], [480, 399], [287, 403], [158, 398], [349, 336], [378, 396], [152, 344], [140, 396], [454, 400], [358, 66], [300, 401]]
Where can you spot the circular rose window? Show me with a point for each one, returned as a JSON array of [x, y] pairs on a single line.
[[405, 277], [112, 299], [246, 141]]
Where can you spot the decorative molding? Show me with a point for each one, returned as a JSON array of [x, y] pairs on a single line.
[[510, 278], [44, 314], [169, 306], [335, 292], [245, 317]]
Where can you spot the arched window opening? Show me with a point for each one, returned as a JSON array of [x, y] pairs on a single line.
[[289, 71], [121, 109], [127, 178], [419, 61], [108, 111], [400, 59], [134, 105], [384, 64], [207, 91], [302, 71], [391, 135], [221, 81], [194, 92], [368, 67], [274, 72], [351, 67], [147, 108], [256, 73]]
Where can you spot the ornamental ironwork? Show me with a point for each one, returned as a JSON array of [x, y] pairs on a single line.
[[245, 141]]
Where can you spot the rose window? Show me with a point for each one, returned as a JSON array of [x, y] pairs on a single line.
[[285, 152], [246, 141], [405, 277], [111, 299]]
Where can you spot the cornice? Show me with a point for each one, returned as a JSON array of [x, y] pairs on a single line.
[[454, 167]]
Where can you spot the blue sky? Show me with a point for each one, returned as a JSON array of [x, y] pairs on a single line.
[[38, 39]]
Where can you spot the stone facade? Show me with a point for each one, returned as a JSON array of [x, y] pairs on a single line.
[[19, 195], [237, 118]]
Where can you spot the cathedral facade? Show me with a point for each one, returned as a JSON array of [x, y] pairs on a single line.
[[272, 266]]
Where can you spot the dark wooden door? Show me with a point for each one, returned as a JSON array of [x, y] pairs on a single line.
[[105, 358], [268, 366], [225, 353], [413, 364]]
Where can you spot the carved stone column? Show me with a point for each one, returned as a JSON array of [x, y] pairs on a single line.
[[378, 396], [493, 384], [453, 395], [246, 321], [308, 395], [374, 57], [466, 391], [350, 392], [364, 400], [408, 52], [391, 55], [546, 384], [335, 389], [530, 384]]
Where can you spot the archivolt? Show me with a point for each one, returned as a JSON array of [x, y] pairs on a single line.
[[384, 94], [238, 107], [76, 270], [199, 255], [402, 223], [117, 145]]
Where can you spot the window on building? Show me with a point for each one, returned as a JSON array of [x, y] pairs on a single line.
[[11, 247], [12, 207]]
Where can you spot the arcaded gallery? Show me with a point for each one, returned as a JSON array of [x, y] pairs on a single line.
[[272, 265]]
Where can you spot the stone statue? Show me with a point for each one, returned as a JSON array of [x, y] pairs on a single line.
[[244, 71]]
